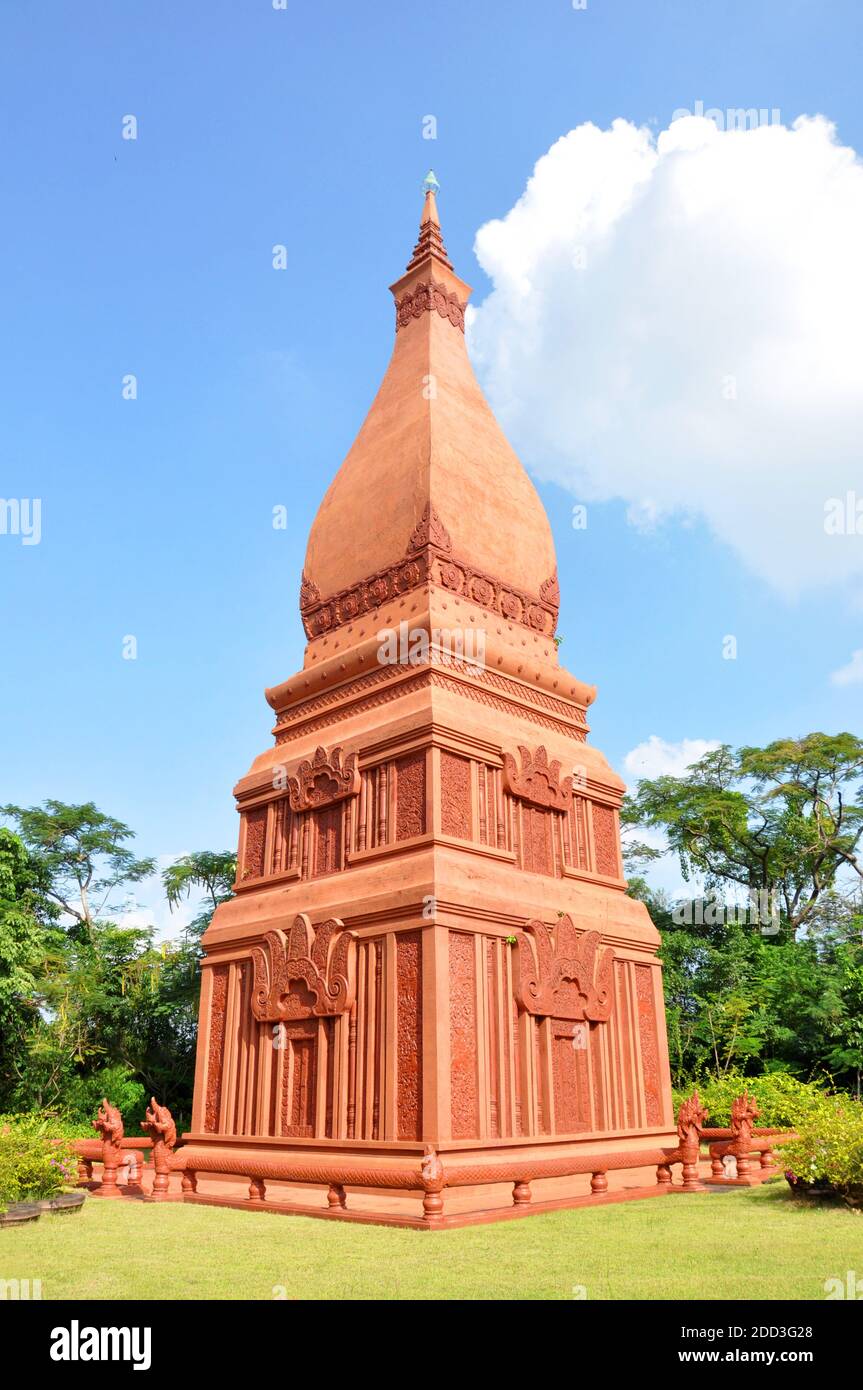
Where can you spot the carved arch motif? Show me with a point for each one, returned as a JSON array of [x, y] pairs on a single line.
[[538, 780], [563, 974], [307, 972], [328, 777]]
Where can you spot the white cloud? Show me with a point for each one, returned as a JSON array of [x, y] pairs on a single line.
[[656, 757], [675, 323], [852, 674]]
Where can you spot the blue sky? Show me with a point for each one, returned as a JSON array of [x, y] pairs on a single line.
[[305, 127]]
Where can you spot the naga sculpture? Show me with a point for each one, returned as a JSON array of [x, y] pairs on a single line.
[[109, 1123], [159, 1124]]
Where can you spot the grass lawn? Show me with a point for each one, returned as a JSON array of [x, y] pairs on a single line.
[[755, 1243]]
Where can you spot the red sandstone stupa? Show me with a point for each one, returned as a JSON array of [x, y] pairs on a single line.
[[430, 951]]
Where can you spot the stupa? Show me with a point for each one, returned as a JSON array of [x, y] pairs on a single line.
[[430, 951]]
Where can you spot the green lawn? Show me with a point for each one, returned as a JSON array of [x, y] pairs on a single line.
[[755, 1243]]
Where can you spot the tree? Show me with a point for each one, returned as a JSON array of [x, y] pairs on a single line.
[[81, 855], [214, 872], [91, 1006], [26, 940], [777, 820]]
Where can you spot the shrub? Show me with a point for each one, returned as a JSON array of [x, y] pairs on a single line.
[[36, 1158], [83, 1096], [781, 1098], [829, 1146]]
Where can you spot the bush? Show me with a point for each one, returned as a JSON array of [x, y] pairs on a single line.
[[829, 1146], [36, 1158], [83, 1096], [782, 1098]]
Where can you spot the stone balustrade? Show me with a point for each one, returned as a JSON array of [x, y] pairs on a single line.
[[431, 1174]]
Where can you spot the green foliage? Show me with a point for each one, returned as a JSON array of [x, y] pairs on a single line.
[[28, 943], [81, 855], [782, 819], [117, 1083], [36, 1158], [92, 1007], [739, 1001], [781, 1098], [117, 1007], [829, 1147], [782, 823], [214, 873]]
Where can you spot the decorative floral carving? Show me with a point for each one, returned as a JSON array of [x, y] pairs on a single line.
[[482, 590], [455, 795], [348, 607], [510, 606], [651, 1067], [605, 840], [430, 530], [350, 604], [429, 559], [452, 577], [410, 795], [428, 296], [409, 1034], [216, 1048], [490, 593], [464, 1087], [256, 836], [549, 590], [309, 593], [408, 577], [327, 778], [538, 781], [306, 973], [323, 620], [558, 974]]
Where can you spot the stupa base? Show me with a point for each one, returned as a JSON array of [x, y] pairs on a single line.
[[416, 1221], [429, 1191]]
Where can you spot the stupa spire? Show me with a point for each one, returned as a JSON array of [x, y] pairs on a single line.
[[430, 459], [430, 244]]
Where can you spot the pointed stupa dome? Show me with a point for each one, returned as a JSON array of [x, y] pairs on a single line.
[[430, 467]]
